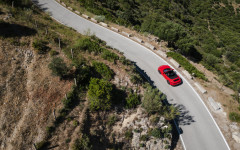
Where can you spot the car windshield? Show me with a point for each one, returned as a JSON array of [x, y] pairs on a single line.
[[166, 70], [171, 74]]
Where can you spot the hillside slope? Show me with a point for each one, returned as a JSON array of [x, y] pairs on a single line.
[[63, 90]]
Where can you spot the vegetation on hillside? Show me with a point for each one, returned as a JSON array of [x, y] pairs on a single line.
[[204, 31], [93, 79]]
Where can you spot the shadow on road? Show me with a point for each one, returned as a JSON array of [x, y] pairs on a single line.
[[36, 2], [184, 118], [143, 74]]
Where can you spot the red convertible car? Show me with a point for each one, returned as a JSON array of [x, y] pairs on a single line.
[[170, 75]]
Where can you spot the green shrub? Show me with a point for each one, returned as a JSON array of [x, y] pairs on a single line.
[[129, 134], [103, 70], [211, 60], [152, 100], [125, 61], [170, 112], [67, 140], [83, 75], [142, 145], [144, 137], [53, 53], [50, 130], [110, 56], [137, 130], [132, 100], [86, 44], [100, 18], [186, 65], [41, 145], [157, 133], [154, 119], [40, 46], [100, 94], [135, 78], [99, 41], [58, 67], [82, 143], [233, 116], [72, 98], [111, 120], [166, 146], [75, 123]]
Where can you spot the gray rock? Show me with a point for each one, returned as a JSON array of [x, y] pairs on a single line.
[[234, 126], [135, 140], [236, 136]]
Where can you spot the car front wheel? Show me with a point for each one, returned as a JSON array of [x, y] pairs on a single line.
[[168, 82], [159, 71]]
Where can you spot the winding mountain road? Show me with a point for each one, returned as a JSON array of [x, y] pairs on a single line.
[[200, 131]]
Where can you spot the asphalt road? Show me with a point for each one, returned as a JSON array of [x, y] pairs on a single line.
[[200, 131]]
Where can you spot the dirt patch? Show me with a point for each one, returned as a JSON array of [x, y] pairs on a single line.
[[29, 93]]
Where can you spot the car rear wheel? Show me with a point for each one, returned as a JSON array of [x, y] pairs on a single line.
[[168, 82], [159, 71]]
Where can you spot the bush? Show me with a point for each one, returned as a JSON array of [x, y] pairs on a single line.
[[186, 65], [125, 61], [75, 123], [67, 140], [142, 145], [170, 112], [132, 100], [41, 145], [50, 130], [87, 44], [144, 137], [129, 134], [82, 143], [152, 100], [167, 146], [157, 133], [233, 116], [100, 18], [103, 70], [72, 98], [40, 46], [211, 60], [53, 53], [100, 94], [110, 56], [136, 78], [58, 67], [154, 119], [83, 75], [111, 120]]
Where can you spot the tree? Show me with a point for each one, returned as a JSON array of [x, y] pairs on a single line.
[[152, 101], [100, 94], [103, 70]]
